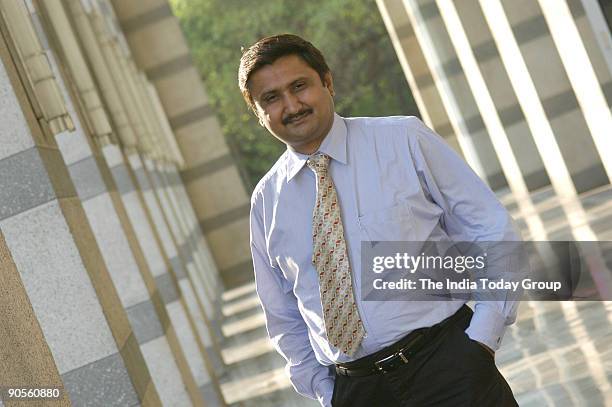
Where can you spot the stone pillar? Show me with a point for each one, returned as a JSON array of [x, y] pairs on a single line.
[[165, 279], [457, 97], [417, 74], [538, 50], [178, 281], [586, 72], [108, 218], [497, 85], [165, 264], [129, 124], [53, 252], [212, 180], [572, 126], [25, 357], [195, 236], [596, 29], [606, 8]]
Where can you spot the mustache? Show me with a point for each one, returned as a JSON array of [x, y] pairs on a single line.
[[290, 118]]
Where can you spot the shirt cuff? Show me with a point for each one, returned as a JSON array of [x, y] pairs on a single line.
[[487, 326], [324, 391]]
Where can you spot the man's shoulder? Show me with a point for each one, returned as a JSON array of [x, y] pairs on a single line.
[[382, 121], [277, 172], [376, 125]]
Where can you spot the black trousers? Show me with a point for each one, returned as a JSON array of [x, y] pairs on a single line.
[[450, 370]]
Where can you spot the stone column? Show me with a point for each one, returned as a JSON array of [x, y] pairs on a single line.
[[54, 253], [497, 85], [212, 180], [596, 31], [179, 283], [606, 8], [554, 91], [179, 233], [145, 233], [584, 79], [456, 95], [166, 266], [417, 74], [25, 357], [108, 218]]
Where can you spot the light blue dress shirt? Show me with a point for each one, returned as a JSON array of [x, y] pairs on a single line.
[[396, 181]]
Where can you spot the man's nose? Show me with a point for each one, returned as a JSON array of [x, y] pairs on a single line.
[[292, 103]]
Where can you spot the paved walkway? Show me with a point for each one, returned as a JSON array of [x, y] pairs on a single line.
[[556, 354]]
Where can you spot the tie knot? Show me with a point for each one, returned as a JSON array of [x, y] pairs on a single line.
[[318, 162]]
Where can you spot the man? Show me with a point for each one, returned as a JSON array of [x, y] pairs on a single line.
[[342, 181]]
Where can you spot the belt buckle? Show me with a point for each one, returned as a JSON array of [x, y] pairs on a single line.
[[387, 364]]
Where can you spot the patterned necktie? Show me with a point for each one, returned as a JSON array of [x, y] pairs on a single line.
[[342, 322]]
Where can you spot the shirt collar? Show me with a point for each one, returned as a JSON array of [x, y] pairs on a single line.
[[334, 145]]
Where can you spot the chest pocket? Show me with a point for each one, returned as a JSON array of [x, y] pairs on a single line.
[[395, 223]]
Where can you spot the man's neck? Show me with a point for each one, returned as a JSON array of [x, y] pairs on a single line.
[[307, 150], [311, 148]]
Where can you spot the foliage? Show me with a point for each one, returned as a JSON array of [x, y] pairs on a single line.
[[367, 76]]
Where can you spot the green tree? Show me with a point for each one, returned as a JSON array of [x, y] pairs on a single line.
[[367, 76]]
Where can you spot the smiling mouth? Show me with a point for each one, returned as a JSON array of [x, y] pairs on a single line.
[[299, 118]]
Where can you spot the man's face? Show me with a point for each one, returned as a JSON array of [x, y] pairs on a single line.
[[293, 103]]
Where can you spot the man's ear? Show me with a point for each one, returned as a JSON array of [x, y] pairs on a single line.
[[328, 82]]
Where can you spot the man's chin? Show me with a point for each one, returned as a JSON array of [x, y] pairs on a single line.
[[300, 133], [305, 145]]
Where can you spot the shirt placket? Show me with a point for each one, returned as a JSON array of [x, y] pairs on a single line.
[[350, 215]]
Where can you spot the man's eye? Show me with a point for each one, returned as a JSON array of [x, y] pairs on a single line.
[[270, 99], [299, 85]]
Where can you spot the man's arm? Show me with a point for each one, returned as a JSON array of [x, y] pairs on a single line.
[[285, 325], [471, 213]]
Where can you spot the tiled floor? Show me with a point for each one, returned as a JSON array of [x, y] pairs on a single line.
[[556, 354]]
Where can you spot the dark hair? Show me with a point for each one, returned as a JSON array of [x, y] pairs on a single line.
[[267, 50]]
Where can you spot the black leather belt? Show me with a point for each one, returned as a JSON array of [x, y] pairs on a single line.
[[399, 353]]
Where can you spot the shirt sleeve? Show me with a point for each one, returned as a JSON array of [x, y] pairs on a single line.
[[286, 327], [471, 213]]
